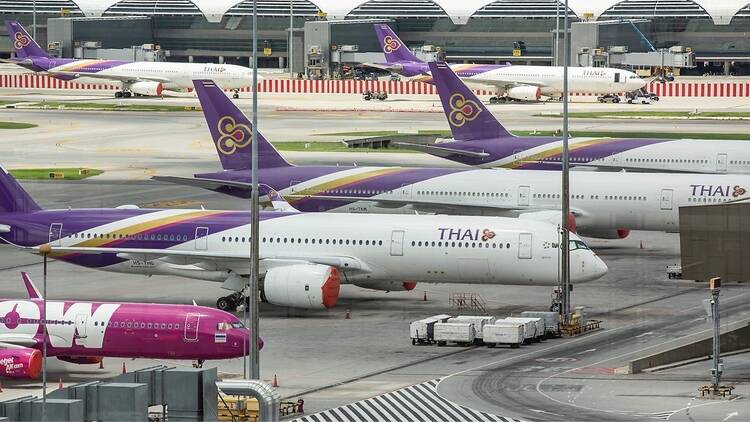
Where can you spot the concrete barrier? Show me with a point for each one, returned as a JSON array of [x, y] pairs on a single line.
[[735, 336]]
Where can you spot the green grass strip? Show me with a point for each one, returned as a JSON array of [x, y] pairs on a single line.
[[645, 113], [16, 125], [75, 173]]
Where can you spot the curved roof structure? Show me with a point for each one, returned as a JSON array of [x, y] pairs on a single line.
[[720, 11]]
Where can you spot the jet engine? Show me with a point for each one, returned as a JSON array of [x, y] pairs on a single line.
[[147, 88], [21, 362], [525, 93], [605, 234], [389, 286], [309, 286], [81, 360]]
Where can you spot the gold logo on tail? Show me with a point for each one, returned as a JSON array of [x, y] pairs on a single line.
[[390, 44], [20, 40], [232, 136], [462, 110]]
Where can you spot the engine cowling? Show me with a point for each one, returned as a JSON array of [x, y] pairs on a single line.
[[20, 363], [309, 286], [605, 234], [389, 286], [81, 360], [147, 88], [525, 93]]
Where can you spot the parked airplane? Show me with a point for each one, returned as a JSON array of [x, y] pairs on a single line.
[[515, 82], [479, 139], [139, 78], [603, 205], [304, 256], [86, 332]]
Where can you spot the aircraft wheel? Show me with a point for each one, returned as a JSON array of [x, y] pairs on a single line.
[[127, 94], [225, 303], [118, 94], [493, 100], [236, 96]]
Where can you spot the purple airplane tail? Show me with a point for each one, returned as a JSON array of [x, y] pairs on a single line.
[[22, 43], [232, 132], [468, 118], [12, 196], [393, 47]]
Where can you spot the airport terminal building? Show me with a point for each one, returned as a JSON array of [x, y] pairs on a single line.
[[467, 30]]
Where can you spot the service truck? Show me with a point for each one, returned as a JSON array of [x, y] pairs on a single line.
[[454, 332], [504, 332]]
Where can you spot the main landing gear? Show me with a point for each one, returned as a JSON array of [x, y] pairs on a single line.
[[121, 94], [236, 94], [232, 302], [198, 363], [498, 100]]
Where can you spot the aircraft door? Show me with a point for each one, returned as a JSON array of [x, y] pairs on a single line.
[[201, 238], [406, 191], [80, 334], [523, 196], [191, 327], [524, 245], [667, 196], [721, 162], [55, 233], [397, 243], [618, 78]]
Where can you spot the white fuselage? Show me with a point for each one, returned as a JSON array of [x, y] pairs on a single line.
[[710, 156], [175, 75], [601, 201], [393, 248], [549, 79]]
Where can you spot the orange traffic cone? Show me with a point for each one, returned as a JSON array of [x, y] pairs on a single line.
[[348, 314], [101, 364], [123, 368], [275, 382], [60, 385]]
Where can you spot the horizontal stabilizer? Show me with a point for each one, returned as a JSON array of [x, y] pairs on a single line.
[[441, 151]]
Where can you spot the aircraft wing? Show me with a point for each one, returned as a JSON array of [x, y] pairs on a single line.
[[501, 83], [620, 167], [204, 183], [220, 257], [110, 77], [424, 206], [441, 151]]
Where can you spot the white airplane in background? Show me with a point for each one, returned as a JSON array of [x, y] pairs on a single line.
[[517, 82], [139, 78]]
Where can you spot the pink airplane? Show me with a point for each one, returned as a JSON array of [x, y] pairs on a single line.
[[86, 332]]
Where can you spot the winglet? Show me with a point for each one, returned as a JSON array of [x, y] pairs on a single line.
[[30, 287], [468, 118]]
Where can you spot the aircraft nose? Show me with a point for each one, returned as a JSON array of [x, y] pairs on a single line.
[[590, 267], [600, 268]]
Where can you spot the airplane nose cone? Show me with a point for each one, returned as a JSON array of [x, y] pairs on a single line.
[[600, 268]]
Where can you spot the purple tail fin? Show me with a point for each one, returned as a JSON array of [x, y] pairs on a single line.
[[232, 132], [24, 45], [468, 118], [393, 47], [12, 196]]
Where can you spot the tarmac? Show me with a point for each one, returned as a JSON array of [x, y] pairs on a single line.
[[332, 362]]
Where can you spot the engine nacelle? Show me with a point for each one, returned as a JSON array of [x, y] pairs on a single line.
[[151, 89], [20, 363], [605, 234], [81, 360], [389, 286], [525, 93], [309, 286]]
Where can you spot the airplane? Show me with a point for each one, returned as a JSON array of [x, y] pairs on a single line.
[[511, 82], [87, 332], [136, 78], [480, 140], [304, 256], [603, 204]]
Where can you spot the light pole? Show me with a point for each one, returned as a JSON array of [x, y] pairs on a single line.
[[565, 244], [291, 37], [45, 250], [254, 363], [33, 19], [556, 48], [715, 284]]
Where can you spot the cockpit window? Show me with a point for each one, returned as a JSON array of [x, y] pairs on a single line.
[[577, 244], [238, 324]]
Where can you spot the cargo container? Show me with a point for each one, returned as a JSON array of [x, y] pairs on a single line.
[[478, 321], [533, 328], [462, 333], [551, 321], [504, 332], [421, 331]]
